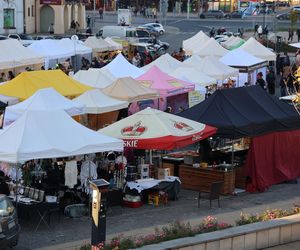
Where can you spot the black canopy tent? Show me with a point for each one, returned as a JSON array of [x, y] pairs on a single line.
[[244, 112]]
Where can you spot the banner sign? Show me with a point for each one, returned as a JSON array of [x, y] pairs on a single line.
[[53, 2]]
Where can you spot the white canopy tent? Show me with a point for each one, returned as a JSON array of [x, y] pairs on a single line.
[[120, 67], [44, 100], [211, 48], [195, 42], [77, 46], [165, 63], [114, 45], [39, 135], [255, 48], [241, 59], [190, 74], [97, 44], [295, 45], [52, 51], [97, 78], [212, 67], [97, 102], [14, 54]]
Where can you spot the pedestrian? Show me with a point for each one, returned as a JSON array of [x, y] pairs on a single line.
[[270, 78], [298, 34], [297, 58], [260, 31], [73, 25], [10, 75], [282, 86], [4, 188], [260, 81], [279, 66], [255, 29], [101, 13], [286, 60], [291, 34], [154, 12], [88, 21], [51, 29], [3, 77], [77, 26]]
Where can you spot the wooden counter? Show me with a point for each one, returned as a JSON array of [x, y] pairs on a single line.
[[201, 178]]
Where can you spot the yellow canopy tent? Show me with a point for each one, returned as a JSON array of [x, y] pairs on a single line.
[[27, 83]]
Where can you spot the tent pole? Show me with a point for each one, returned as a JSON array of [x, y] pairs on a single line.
[[232, 153], [17, 188], [89, 186]]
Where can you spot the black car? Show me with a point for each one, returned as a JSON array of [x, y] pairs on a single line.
[[234, 14], [284, 16], [9, 226], [212, 14]]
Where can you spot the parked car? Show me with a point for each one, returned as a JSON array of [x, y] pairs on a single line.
[[3, 37], [26, 40], [9, 226], [117, 31], [42, 37], [212, 14], [234, 14], [142, 33], [157, 26], [283, 16], [150, 29], [296, 8]]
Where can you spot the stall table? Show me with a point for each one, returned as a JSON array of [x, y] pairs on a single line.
[[201, 178]]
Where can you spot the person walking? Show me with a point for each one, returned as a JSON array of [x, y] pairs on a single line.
[[51, 29], [291, 34], [101, 13], [88, 21], [298, 34], [270, 78]]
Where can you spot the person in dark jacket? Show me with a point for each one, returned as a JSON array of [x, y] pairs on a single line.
[[4, 189], [270, 82], [260, 81]]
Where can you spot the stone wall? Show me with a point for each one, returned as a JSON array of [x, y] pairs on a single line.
[[248, 237]]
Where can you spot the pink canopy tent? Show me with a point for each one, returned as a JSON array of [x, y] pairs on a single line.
[[165, 84]]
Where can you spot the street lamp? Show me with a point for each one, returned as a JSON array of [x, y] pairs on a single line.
[[264, 8]]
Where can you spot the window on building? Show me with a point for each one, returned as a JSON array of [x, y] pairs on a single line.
[[8, 18], [28, 11]]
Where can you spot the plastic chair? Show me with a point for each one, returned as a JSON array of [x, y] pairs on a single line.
[[213, 194]]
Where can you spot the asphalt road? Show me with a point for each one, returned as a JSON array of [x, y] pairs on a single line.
[[179, 28]]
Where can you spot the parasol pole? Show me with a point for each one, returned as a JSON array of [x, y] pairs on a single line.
[[150, 155], [232, 153]]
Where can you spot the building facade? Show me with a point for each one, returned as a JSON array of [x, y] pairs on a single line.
[[60, 13], [29, 16], [11, 16]]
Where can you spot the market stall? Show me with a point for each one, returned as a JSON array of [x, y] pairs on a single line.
[[250, 112], [96, 78], [100, 108], [52, 51], [17, 57], [233, 42], [153, 129], [80, 51], [27, 83], [249, 66], [43, 99], [173, 92], [39, 135]]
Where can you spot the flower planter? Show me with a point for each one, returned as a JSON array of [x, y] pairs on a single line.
[[251, 236]]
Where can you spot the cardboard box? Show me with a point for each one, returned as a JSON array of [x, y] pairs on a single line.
[[163, 173]]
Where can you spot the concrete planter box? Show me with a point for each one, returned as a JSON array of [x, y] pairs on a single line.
[[247, 237]]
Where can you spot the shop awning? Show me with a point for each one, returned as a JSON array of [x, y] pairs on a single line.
[[154, 129]]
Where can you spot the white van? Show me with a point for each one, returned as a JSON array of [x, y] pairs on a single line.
[[117, 31]]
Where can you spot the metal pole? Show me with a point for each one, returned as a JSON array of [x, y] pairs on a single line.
[[94, 14], [160, 12], [188, 10]]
